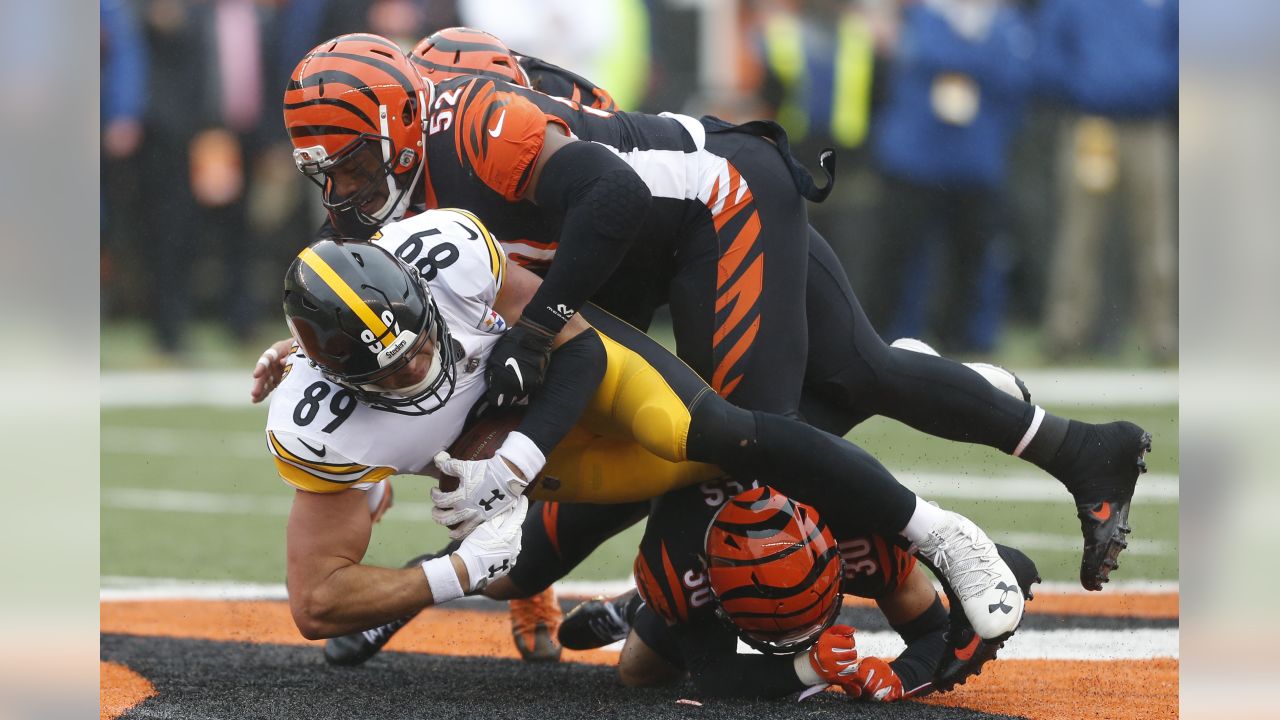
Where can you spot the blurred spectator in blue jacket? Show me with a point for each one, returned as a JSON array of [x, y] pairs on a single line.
[[124, 79], [1114, 65], [123, 71], [956, 95]]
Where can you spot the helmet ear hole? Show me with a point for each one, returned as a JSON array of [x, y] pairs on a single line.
[[409, 110]]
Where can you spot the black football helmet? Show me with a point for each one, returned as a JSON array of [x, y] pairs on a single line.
[[361, 315]]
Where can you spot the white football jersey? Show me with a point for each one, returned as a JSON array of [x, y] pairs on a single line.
[[324, 440]]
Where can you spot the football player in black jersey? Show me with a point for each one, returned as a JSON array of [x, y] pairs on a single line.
[[634, 210]]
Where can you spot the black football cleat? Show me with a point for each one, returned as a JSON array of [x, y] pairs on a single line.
[[966, 652], [599, 622], [1121, 448], [357, 648]]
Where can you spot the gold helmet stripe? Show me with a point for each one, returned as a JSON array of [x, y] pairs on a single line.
[[349, 296]]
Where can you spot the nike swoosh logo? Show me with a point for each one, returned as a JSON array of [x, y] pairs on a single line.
[[319, 453], [497, 129], [966, 652], [1102, 514], [515, 367]]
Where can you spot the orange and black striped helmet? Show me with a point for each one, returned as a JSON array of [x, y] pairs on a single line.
[[774, 570], [465, 51], [353, 110]]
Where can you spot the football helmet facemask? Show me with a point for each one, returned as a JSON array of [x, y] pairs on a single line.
[[774, 570], [363, 317], [457, 51], [353, 109]]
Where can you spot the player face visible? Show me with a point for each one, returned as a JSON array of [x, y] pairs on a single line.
[[414, 376], [359, 177]]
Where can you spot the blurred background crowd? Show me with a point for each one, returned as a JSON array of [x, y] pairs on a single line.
[[1007, 168]]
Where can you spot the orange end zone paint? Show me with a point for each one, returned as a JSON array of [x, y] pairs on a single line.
[[121, 689], [1049, 689]]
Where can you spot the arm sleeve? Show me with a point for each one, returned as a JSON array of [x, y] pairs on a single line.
[[574, 374], [711, 655], [604, 202], [926, 638]]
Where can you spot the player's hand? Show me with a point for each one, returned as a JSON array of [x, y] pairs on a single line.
[[878, 681], [517, 365], [491, 550], [833, 660], [270, 369], [485, 489]]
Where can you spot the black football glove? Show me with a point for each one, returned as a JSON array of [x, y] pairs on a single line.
[[517, 365]]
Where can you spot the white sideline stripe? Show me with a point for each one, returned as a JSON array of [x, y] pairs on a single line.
[[1152, 487], [122, 588], [1078, 644], [212, 503], [1068, 387], [1075, 644]]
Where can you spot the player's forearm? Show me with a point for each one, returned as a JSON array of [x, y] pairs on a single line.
[[926, 641], [604, 203], [573, 377], [358, 597], [747, 676]]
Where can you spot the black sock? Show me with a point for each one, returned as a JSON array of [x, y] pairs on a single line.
[[1053, 436]]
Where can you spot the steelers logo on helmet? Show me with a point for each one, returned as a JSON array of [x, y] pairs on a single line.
[[353, 110], [774, 570], [368, 322]]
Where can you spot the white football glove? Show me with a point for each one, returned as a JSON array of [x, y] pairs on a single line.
[[491, 550], [485, 487]]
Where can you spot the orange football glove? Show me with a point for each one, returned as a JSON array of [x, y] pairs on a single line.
[[878, 681], [833, 660]]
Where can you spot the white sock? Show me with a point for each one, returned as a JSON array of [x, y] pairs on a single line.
[[926, 517]]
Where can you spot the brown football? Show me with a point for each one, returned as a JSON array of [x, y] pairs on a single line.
[[481, 439]]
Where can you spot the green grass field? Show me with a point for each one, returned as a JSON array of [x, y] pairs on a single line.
[[191, 493]]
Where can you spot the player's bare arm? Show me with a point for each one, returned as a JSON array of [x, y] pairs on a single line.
[[330, 592]]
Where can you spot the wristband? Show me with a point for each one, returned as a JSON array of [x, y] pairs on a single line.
[[804, 670], [545, 321], [442, 579], [522, 452]]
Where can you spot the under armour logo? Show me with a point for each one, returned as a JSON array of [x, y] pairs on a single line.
[[488, 504], [494, 570], [1006, 589]]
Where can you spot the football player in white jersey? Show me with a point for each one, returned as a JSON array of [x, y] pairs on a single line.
[[393, 337]]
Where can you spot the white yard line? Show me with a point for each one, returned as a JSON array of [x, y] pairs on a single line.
[[1076, 644], [125, 588], [1051, 387]]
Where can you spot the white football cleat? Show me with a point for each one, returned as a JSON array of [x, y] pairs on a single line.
[[1003, 380], [987, 588]]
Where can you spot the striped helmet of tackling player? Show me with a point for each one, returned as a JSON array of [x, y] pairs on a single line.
[[774, 570], [353, 109], [464, 51]]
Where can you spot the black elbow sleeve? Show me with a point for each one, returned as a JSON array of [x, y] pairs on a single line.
[[588, 181], [604, 203]]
